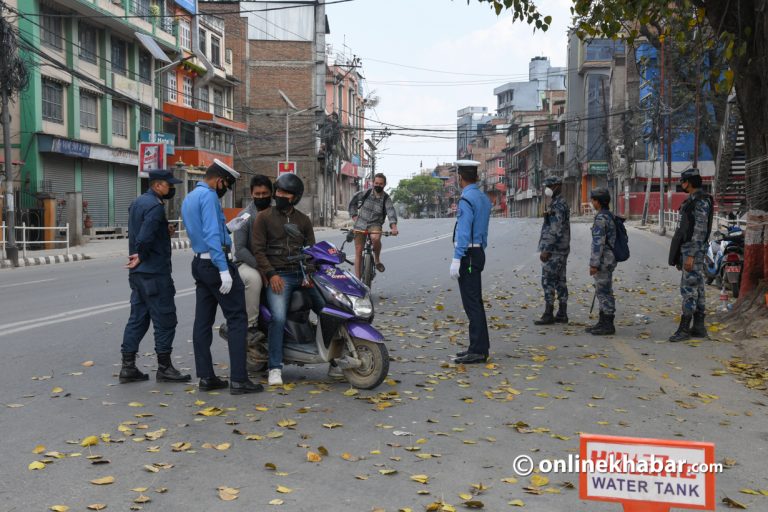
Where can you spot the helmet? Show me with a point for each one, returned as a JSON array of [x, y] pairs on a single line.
[[552, 180], [292, 184], [689, 173], [601, 194]]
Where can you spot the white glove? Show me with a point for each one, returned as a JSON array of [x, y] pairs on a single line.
[[237, 222], [226, 282], [455, 264]]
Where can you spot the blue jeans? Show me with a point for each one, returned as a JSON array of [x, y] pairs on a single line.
[[278, 306], [151, 299]]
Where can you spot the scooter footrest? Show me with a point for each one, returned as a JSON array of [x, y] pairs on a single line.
[[348, 363]]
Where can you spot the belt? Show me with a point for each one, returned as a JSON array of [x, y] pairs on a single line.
[[475, 245], [207, 256]]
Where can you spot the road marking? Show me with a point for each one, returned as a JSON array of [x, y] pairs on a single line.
[[416, 244], [28, 282], [75, 314]]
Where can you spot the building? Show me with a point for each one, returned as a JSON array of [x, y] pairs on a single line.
[[526, 96], [279, 58], [469, 122], [487, 147]]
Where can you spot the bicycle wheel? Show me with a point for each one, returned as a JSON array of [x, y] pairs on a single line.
[[367, 271]]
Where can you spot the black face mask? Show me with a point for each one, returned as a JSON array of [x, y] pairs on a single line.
[[282, 203], [262, 203], [378, 190], [171, 193], [221, 192]]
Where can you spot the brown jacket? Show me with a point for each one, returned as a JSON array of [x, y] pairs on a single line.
[[271, 244]]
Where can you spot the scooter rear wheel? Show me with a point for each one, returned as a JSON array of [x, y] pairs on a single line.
[[375, 367]]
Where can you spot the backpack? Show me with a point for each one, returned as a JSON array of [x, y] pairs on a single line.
[[366, 195], [621, 246]]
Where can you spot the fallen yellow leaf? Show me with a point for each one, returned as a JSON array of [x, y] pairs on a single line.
[[539, 480], [88, 364], [57, 390], [135, 404], [97, 506], [284, 490], [89, 441], [36, 465], [38, 449], [313, 457], [104, 480], [276, 501], [422, 479], [59, 508]]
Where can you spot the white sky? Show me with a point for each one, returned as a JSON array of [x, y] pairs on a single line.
[[444, 35]]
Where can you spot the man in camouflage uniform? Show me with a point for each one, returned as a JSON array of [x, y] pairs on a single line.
[[693, 231], [554, 245], [602, 261]]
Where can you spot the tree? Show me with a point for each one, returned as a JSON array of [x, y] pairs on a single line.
[[417, 193], [740, 30]]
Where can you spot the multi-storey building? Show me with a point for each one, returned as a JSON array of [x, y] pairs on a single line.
[[469, 122], [522, 96]]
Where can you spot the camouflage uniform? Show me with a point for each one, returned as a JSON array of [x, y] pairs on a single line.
[[556, 240], [692, 283], [603, 240]]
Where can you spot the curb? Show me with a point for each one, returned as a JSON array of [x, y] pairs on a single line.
[[180, 244], [44, 260]]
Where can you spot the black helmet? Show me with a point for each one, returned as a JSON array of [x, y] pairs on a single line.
[[601, 194], [552, 180], [292, 184]]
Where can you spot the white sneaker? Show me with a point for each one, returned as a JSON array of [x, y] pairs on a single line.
[[275, 377]]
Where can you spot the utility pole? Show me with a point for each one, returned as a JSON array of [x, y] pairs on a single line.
[[373, 144], [662, 226]]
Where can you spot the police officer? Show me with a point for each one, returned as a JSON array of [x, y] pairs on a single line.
[[554, 247], [602, 261], [217, 280], [692, 236], [470, 239], [152, 290]]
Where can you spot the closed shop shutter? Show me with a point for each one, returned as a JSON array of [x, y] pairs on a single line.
[[59, 175], [96, 191], [126, 179]]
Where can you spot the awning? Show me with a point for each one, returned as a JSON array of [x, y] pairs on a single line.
[[524, 149], [152, 47]]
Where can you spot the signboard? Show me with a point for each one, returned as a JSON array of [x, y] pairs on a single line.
[[151, 156], [187, 5], [286, 168], [647, 475], [71, 148], [597, 168], [168, 138], [115, 155]]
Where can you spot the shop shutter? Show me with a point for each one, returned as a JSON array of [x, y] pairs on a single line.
[[96, 191], [126, 179], [59, 175]]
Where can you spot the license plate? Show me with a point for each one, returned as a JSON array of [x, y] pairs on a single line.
[[733, 269]]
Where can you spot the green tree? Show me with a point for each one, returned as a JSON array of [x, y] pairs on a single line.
[[417, 193]]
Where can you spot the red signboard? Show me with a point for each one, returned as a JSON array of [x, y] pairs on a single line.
[[286, 168], [151, 156]]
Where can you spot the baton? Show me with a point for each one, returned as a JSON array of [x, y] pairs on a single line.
[[593, 302]]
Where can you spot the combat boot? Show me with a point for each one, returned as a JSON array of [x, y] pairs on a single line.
[[547, 318], [129, 372], [599, 323], [562, 314], [166, 372], [699, 330], [605, 327], [683, 332]]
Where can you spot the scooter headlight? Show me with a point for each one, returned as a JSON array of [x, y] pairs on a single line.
[[362, 306], [341, 298]]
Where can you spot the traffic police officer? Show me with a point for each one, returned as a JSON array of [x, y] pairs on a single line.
[[470, 239], [152, 290], [217, 280], [555, 245], [692, 236], [602, 261]]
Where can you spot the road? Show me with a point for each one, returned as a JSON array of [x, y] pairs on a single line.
[[460, 427]]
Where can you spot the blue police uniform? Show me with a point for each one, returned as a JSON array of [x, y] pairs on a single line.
[[470, 240], [210, 240], [152, 289]]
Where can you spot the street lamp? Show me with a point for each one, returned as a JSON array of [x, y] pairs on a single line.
[[288, 119]]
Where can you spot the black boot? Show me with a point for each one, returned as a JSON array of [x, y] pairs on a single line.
[[562, 314], [598, 324], [683, 332], [547, 318], [699, 330], [166, 372], [129, 372], [605, 327]]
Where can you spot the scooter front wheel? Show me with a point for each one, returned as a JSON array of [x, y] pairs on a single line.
[[374, 368]]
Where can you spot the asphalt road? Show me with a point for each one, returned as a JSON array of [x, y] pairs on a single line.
[[460, 427]]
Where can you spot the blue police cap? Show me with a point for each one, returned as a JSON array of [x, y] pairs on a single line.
[[164, 175], [689, 173]]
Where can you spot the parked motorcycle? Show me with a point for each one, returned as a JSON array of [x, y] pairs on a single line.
[[714, 261], [733, 265], [343, 333]]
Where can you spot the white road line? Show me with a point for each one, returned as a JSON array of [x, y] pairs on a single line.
[[26, 325], [28, 282], [416, 244]]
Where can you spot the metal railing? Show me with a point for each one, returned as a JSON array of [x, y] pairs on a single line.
[[671, 218], [180, 231], [24, 241]]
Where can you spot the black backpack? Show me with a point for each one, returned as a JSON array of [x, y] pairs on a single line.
[[621, 246]]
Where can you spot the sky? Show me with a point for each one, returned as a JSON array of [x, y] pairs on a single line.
[[468, 50]]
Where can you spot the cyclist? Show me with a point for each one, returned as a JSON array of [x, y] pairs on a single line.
[[368, 209]]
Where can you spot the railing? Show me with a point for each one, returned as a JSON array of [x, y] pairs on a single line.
[[672, 217], [24, 240], [179, 223]]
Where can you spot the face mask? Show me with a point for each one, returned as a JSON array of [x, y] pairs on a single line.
[[262, 203], [221, 192], [170, 194], [282, 203], [378, 190], [549, 192]]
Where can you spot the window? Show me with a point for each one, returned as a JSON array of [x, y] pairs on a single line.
[[218, 102], [145, 67], [204, 42], [119, 56], [603, 49], [215, 51], [53, 101], [119, 119], [89, 111], [145, 120], [204, 99], [185, 35], [87, 37], [173, 87], [187, 90], [51, 29]]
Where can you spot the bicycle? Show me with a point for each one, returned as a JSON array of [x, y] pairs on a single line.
[[368, 269]]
